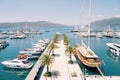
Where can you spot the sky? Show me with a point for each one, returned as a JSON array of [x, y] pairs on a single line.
[[58, 11]]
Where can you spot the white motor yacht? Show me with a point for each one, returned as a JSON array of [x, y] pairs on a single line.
[[3, 44], [29, 52], [18, 36], [40, 47], [3, 36], [29, 56], [41, 41], [46, 41], [18, 63], [33, 49], [114, 48]]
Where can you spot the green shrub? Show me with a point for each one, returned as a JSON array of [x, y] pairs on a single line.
[[53, 54], [73, 74], [70, 62], [47, 74]]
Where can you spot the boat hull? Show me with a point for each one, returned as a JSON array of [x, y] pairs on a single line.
[[17, 66], [85, 61]]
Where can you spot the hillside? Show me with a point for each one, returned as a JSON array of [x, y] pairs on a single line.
[[112, 23], [32, 24]]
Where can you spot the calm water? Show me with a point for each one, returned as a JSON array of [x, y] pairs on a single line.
[[111, 64]]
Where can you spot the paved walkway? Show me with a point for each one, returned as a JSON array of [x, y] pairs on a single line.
[[60, 68]]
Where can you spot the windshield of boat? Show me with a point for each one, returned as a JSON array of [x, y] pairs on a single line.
[[15, 62], [26, 62]]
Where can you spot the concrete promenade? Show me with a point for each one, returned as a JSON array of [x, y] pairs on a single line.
[[60, 68]]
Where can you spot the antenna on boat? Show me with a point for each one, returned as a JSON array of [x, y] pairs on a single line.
[[89, 23]]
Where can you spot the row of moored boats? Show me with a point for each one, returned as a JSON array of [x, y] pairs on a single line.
[[22, 60], [14, 36], [18, 34]]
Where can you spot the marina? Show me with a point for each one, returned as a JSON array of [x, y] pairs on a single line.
[[100, 34], [60, 40], [103, 51]]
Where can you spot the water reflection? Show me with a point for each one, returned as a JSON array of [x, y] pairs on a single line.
[[112, 56], [19, 72]]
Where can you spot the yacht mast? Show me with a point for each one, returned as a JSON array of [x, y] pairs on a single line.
[[89, 24], [81, 25]]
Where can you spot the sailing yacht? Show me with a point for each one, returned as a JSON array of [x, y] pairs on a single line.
[[85, 54]]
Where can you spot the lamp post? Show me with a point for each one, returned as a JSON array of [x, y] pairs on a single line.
[[85, 74]]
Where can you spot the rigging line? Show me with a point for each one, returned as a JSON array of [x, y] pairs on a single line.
[[89, 24]]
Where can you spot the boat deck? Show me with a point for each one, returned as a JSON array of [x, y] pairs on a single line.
[[87, 61], [91, 62], [86, 52]]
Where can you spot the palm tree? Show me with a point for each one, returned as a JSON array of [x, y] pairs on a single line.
[[52, 47], [65, 39], [69, 51], [55, 39], [67, 42], [46, 60]]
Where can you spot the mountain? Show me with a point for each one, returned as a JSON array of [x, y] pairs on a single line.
[[32, 24], [112, 23]]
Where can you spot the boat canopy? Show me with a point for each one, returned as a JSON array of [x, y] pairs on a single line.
[[21, 56], [86, 52]]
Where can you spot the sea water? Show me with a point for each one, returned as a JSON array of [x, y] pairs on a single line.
[[111, 64]]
